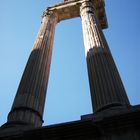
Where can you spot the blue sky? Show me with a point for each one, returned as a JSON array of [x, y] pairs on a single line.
[[68, 94]]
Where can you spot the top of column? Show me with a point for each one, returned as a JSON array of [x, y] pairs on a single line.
[[71, 9]]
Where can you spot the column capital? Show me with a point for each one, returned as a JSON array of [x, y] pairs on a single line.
[[86, 3], [86, 7], [49, 12]]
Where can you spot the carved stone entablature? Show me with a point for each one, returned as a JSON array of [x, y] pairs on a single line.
[[71, 9]]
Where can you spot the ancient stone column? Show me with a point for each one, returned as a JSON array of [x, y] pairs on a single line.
[[106, 86], [29, 102]]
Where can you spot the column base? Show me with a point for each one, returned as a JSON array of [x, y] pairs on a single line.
[[110, 112], [114, 106], [36, 120]]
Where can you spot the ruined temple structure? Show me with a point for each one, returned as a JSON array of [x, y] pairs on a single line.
[[113, 118]]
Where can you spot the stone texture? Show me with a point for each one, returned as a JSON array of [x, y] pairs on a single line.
[[121, 126], [71, 9], [113, 119], [105, 84], [29, 102]]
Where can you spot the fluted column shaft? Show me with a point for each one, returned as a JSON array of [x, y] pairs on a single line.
[[29, 102], [105, 83]]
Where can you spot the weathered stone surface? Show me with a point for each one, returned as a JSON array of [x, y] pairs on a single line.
[[29, 102], [105, 83], [121, 126], [113, 119], [71, 9]]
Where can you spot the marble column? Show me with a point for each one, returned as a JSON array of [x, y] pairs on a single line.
[[29, 102], [106, 86]]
